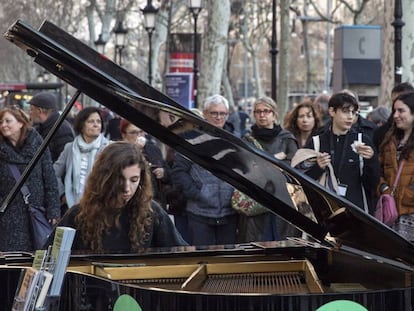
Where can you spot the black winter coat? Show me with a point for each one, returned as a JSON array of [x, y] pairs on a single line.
[[15, 232], [347, 166], [63, 135]]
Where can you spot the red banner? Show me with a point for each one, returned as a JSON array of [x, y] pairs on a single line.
[[181, 62]]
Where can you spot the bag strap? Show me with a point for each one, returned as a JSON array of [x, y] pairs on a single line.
[[361, 160], [249, 137], [361, 172], [24, 189], [394, 186], [304, 154]]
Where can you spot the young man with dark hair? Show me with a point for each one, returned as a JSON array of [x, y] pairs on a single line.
[[351, 154]]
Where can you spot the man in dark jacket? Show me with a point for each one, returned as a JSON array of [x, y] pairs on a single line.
[[43, 113], [346, 150]]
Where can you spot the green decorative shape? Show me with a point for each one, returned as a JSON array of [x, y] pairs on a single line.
[[342, 305], [126, 303]]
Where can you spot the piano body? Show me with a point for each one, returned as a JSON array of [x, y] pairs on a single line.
[[348, 255]]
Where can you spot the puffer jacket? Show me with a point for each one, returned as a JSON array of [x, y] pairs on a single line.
[[207, 195], [404, 193]]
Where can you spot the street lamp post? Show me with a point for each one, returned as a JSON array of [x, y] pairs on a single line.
[[398, 25], [274, 51], [195, 7], [120, 37], [100, 44], [43, 76], [150, 13]]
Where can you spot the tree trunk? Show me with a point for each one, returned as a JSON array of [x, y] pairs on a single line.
[[213, 52], [284, 59], [387, 54], [256, 73], [159, 38], [227, 90], [407, 41]]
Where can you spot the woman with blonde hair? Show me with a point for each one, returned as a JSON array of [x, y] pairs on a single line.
[[272, 138]]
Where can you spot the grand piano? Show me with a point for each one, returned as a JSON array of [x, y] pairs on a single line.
[[344, 254]]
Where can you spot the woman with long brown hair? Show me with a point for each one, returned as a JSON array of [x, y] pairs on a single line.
[[19, 142], [397, 149], [303, 121], [116, 212]]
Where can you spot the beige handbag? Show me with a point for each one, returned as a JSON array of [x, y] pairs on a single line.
[[328, 178]]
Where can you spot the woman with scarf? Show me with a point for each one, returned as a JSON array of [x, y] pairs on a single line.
[[77, 158], [282, 145]]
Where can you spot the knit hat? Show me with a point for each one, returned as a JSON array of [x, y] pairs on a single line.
[[45, 100]]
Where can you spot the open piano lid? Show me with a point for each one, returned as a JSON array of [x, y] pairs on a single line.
[[269, 181]]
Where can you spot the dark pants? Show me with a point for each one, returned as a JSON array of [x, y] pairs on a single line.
[[181, 223], [212, 231]]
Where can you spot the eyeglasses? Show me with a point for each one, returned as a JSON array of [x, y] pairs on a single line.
[[216, 114], [7, 121], [22, 114], [349, 111], [137, 132], [264, 111], [92, 121]]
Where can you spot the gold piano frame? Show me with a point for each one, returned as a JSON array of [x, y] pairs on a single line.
[[267, 277]]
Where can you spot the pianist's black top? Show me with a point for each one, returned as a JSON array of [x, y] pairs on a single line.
[[162, 233]]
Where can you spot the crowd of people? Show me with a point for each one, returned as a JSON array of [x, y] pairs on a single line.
[[114, 184]]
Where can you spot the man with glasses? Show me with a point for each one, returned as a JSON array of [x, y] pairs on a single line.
[[211, 219], [216, 110], [351, 153]]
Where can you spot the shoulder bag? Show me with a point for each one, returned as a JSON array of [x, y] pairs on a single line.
[[328, 179], [241, 202], [40, 226], [386, 210]]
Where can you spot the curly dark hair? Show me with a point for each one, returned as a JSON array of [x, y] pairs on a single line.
[[101, 203]]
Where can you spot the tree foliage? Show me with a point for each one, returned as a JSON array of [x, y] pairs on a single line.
[[236, 36]]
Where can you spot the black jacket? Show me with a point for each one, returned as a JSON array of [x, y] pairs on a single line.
[[63, 135], [161, 234], [347, 166]]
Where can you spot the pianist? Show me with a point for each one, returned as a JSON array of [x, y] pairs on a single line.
[[116, 212]]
